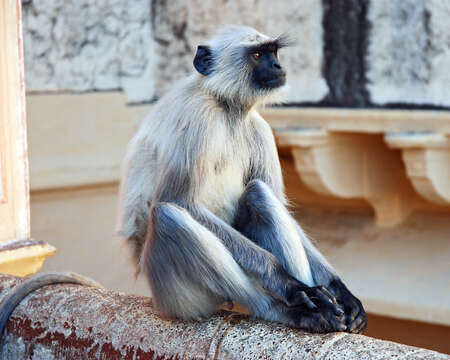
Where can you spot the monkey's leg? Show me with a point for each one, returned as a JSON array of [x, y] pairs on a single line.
[[191, 272], [265, 220], [263, 266]]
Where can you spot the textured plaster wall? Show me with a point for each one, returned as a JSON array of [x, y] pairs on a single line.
[[409, 51], [85, 45], [143, 46]]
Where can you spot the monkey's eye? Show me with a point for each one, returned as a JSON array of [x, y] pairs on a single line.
[[256, 55]]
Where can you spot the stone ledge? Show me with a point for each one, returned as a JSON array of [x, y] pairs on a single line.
[[372, 121], [427, 160], [353, 154], [68, 322], [349, 166]]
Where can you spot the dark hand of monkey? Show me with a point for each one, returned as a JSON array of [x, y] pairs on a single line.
[[319, 320], [313, 309], [315, 297], [355, 315]]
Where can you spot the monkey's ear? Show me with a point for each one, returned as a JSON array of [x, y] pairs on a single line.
[[203, 61]]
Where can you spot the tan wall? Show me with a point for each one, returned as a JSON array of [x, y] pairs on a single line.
[[80, 224], [75, 156]]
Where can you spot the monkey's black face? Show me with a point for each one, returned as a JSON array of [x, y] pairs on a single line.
[[268, 73]]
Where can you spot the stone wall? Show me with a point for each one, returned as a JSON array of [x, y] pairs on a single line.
[[89, 45], [409, 52], [350, 54]]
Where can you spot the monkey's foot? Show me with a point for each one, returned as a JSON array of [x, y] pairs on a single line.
[[313, 298], [355, 315], [315, 321]]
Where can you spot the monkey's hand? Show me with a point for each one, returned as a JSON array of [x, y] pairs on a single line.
[[313, 309], [310, 308], [355, 315], [321, 319], [298, 293]]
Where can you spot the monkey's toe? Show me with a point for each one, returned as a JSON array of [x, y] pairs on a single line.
[[359, 324], [322, 297], [324, 323]]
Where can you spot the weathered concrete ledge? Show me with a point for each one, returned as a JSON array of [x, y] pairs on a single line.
[[73, 322]]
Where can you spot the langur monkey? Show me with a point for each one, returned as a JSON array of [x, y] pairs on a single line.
[[203, 207], [202, 201]]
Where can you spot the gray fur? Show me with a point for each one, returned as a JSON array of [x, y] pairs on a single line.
[[187, 187], [189, 248]]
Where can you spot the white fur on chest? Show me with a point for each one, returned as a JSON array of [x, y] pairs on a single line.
[[223, 182], [221, 190]]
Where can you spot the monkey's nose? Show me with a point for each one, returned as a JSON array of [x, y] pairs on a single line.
[[278, 70]]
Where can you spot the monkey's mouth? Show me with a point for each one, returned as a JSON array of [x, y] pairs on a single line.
[[273, 82]]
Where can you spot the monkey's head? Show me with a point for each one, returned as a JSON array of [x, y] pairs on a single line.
[[240, 65]]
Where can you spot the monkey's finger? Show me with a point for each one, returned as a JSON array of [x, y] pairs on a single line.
[[339, 311], [355, 311], [335, 323], [359, 323], [336, 308], [360, 329], [329, 294], [318, 292], [305, 299], [363, 326], [355, 325], [322, 296], [316, 323]]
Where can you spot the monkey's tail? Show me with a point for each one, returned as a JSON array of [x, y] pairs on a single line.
[[19, 292]]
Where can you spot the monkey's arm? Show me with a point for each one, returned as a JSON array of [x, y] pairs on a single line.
[[265, 163], [265, 220], [269, 172]]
